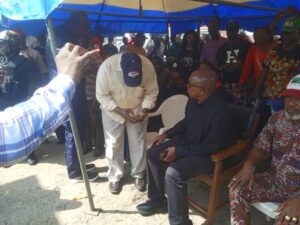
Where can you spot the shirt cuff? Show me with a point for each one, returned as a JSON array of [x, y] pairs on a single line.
[[148, 104], [62, 83]]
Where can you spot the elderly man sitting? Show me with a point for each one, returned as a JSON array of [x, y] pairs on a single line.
[[279, 139], [204, 130]]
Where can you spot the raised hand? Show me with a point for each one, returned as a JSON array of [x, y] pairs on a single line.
[[72, 60]]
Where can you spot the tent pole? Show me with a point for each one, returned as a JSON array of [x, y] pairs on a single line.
[[54, 50], [169, 31], [198, 28], [243, 5]]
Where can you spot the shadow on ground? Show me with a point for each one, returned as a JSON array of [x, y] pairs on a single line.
[[17, 196]]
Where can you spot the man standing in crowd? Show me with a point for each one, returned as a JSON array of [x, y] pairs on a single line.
[[279, 67], [210, 48], [75, 30], [125, 43], [230, 58], [110, 49], [24, 126], [174, 49], [280, 139], [205, 130], [126, 89]]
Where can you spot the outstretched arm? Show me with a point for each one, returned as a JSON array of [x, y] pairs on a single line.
[[24, 126]]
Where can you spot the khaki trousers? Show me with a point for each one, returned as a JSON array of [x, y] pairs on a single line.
[[114, 143]]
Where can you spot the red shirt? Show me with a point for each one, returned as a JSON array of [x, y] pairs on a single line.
[[254, 61]]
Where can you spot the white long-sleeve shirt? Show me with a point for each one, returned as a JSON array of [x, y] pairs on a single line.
[[112, 92]]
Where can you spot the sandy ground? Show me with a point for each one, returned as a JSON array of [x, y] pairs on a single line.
[[43, 195]]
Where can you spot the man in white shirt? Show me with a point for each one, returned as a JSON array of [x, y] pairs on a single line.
[[126, 88]]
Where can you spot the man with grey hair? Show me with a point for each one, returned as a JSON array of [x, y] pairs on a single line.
[[204, 131], [280, 140]]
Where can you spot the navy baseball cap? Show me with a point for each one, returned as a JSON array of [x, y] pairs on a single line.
[[131, 65]]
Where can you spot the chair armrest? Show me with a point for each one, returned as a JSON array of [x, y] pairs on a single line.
[[156, 113], [231, 151]]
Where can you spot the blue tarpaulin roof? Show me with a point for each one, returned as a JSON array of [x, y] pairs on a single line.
[[119, 16]]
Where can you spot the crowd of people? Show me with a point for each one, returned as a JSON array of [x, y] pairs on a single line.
[[120, 87]]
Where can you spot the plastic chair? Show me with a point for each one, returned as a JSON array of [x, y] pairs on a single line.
[[268, 208], [171, 111]]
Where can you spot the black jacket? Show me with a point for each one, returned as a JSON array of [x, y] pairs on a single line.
[[206, 128]]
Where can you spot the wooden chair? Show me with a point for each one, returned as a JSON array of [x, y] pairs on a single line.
[[228, 162]]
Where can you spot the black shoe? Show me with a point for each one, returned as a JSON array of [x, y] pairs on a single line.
[[115, 187], [90, 167], [140, 184], [92, 176], [152, 206], [32, 160]]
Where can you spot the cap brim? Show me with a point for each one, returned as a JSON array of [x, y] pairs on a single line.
[[291, 92]]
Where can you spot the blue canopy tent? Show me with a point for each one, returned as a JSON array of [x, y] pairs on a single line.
[[149, 16]]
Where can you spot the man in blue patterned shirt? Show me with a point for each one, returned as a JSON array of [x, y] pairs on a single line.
[[24, 126]]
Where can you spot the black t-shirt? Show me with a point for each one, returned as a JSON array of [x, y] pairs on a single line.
[[234, 53], [19, 73], [188, 62]]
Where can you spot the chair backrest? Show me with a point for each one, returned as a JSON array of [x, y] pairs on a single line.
[[172, 110], [244, 121]]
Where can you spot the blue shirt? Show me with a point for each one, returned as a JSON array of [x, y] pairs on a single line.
[[24, 126]]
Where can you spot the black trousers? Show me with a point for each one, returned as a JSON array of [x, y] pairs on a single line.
[[175, 178]]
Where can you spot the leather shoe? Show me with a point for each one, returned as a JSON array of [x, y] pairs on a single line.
[[152, 206], [140, 184], [115, 187]]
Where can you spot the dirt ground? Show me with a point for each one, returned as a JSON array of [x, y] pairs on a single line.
[[43, 195]]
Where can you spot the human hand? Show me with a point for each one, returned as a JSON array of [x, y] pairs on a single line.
[[289, 212], [170, 155], [159, 139], [140, 116], [128, 115], [72, 60], [244, 177]]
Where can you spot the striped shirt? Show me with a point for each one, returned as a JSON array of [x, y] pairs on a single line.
[[24, 126]]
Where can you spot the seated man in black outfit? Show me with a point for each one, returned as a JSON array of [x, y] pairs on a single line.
[[205, 130]]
